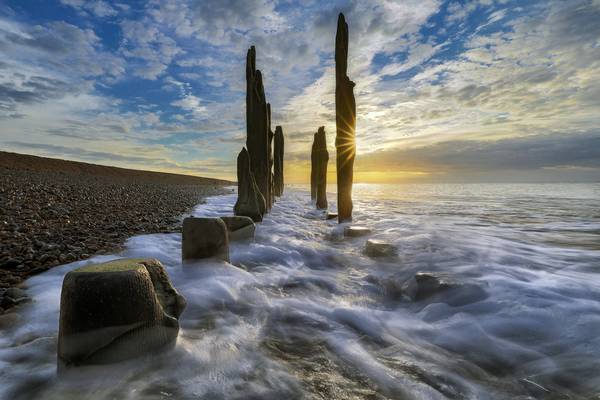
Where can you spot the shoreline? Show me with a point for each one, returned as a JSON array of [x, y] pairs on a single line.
[[53, 212]]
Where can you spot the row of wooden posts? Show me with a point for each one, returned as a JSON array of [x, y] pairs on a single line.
[[125, 308], [260, 169]]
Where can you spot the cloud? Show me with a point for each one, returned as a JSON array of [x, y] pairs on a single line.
[[191, 104], [524, 153], [168, 76], [149, 50], [98, 8]]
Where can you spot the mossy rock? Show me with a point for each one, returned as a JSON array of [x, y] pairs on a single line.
[[115, 311]]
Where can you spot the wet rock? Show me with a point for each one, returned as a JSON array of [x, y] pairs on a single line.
[[115, 311], [11, 263], [331, 215], [250, 201], [378, 248], [239, 228], [356, 231], [204, 238], [345, 120], [435, 287], [15, 293], [257, 126], [278, 162], [9, 319], [322, 158]]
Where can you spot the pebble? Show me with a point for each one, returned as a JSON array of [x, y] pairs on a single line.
[[48, 218]]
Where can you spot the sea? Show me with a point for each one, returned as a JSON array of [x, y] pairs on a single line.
[[302, 312]]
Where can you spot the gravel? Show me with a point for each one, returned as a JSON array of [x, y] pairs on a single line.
[[52, 217]]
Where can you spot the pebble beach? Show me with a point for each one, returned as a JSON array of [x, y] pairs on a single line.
[[53, 212]]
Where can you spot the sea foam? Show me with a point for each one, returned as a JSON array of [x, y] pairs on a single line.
[[303, 312]]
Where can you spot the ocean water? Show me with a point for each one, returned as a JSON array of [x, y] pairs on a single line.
[[303, 312]]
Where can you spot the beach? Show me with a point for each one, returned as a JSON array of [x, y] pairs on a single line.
[[54, 212]]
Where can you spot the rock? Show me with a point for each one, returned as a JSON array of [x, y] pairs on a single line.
[[11, 263], [278, 162], [435, 287], [9, 319], [239, 228], [322, 158], [257, 128], [377, 248], [345, 121], [204, 238], [356, 231], [331, 215], [15, 293], [115, 311], [250, 201]]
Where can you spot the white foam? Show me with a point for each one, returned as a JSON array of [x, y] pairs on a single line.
[[534, 333]]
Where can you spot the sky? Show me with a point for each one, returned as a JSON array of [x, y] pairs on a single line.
[[446, 91]]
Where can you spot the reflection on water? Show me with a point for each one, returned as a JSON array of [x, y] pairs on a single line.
[[304, 313]]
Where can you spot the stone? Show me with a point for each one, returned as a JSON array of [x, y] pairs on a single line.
[[278, 162], [11, 263], [239, 227], [436, 287], [345, 121], [356, 231], [15, 293], [378, 248], [117, 310], [204, 238], [322, 158], [331, 215], [250, 201], [257, 126]]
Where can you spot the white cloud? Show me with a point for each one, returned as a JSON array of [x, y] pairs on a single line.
[[98, 8], [191, 104]]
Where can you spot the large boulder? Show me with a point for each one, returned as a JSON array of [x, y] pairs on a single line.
[[250, 201], [115, 311], [239, 228], [204, 238], [345, 121]]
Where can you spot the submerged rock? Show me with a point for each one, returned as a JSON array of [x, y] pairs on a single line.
[[435, 287], [356, 231], [378, 248], [204, 238], [239, 228], [250, 201], [345, 121], [115, 311]]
